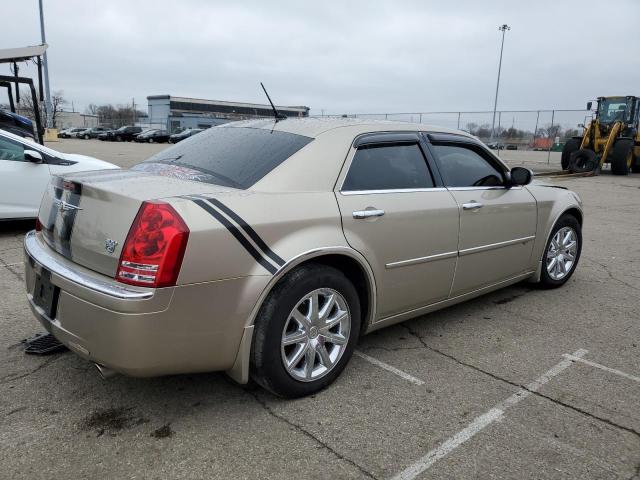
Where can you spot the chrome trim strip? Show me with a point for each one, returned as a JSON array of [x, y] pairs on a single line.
[[396, 190], [492, 246], [415, 261], [140, 266], [40, 258], [464, 189]]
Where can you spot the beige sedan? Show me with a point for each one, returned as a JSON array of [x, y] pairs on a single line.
[[265, 249]]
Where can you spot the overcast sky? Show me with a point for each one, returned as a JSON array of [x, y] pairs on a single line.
[[336, 56]]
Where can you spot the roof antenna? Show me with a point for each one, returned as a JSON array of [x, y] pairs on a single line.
[[276, 114]]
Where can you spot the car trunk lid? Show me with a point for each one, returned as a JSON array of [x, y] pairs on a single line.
[[86, 216]]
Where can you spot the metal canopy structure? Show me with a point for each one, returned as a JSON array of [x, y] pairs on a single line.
[[24, 54], [11, 55]]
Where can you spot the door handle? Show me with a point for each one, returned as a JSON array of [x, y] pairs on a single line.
[[472, 205], [360, 214]]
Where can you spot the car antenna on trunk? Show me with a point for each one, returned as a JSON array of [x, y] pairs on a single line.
[[276, 113]]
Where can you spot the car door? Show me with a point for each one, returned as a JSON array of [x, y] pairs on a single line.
[[401, 219], [497, 222], [22, 182]]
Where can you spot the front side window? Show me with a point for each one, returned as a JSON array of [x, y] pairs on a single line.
[[11, 150], [461, 166], [388, 167]]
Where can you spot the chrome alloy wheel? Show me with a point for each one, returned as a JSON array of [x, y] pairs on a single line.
[[561, 255], [315, 335]]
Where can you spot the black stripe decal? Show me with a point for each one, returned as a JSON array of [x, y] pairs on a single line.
[[250, 231], [236, 233]]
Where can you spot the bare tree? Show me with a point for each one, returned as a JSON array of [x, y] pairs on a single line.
[[26, 107], [549, 131], [92, 109]]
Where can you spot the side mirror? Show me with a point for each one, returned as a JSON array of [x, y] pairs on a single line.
[[521, 176], [33, 156], [589, 105]]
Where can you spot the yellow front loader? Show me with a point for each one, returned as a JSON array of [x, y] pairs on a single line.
[[613, 136]]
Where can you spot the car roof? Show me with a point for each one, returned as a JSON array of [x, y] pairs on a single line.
[[315, 126]]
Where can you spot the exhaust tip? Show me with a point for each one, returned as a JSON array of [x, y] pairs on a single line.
[[104, 372]]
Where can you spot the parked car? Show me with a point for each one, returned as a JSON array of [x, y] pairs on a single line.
[[16, 124], [122, 134], [495, 146], [189, 132], [25, 170], [63, 132], [71, 132], [80, 133], [265, 249], [512, 147], [153, 136], [92, 132]]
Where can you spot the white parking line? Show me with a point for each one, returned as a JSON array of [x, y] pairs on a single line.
[[389, 368], [483, 421], [602, 367], [11, 264]]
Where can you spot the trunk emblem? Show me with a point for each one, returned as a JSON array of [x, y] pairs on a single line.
[[64, 206], [110, 245]]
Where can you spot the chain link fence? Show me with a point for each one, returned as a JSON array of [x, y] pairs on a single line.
[[516, 129]]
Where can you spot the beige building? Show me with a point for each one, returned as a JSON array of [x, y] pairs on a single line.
[[75, 119]]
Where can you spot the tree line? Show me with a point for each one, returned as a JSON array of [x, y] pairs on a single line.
[[115, 116], [517, 135]]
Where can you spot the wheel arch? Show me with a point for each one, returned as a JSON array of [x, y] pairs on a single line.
[[349, 261], [573, 210]]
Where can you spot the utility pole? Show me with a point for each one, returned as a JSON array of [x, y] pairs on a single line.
[[503, 29], [45, 64]]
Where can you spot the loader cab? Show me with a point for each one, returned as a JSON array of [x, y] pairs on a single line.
[[617, 109]]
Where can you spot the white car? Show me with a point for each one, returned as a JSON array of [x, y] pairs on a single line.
[[25, 170]]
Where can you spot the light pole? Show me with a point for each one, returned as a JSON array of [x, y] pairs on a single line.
[[503, 29], [45, 64]]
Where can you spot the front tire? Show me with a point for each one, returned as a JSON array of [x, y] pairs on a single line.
[[305, 332], [622, 157], [562, 252], [635, 164]]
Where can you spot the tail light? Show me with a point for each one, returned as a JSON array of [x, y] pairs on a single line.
[[153, 252]]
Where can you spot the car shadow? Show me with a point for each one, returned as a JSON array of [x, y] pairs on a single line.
[[15, 227]]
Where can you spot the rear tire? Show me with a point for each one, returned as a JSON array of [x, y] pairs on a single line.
[[571, 146], [555, 274], [583, 160], [313, 361], [622, 157]]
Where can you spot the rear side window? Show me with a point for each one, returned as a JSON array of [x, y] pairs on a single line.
[[463, 167], [229, 156], [388, 167]]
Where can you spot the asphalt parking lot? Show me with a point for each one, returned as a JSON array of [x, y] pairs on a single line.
[[520, 383]]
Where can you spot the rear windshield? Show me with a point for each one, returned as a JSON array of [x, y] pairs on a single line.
[[234, 157]]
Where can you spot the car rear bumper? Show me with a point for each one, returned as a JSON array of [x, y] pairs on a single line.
[[140, 331]]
